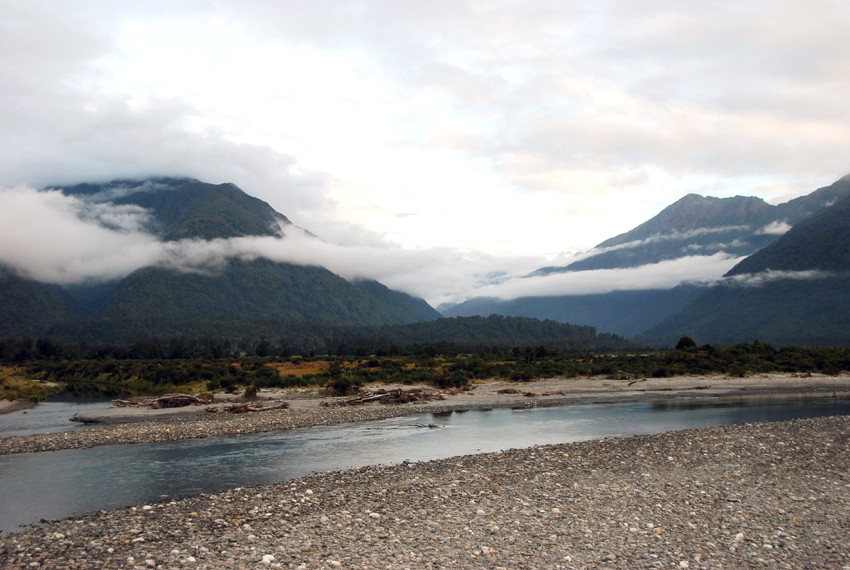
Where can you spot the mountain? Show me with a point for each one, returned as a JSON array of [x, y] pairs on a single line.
[[818, 243], [187, 208], [692, 226], [230, 294], [698, 225], [624, 313], [27, 308], [795, 291], [260, 289]]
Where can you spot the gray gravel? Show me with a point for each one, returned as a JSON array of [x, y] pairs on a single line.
[[310, 408], [773, 495], [198, 426]]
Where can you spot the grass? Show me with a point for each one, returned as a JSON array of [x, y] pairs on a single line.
[[15, 386]]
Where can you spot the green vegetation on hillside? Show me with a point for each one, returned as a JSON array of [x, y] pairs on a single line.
[[188, 208], [259, 289], [169, 338], [818, 243], [31, 308], [808, 312]]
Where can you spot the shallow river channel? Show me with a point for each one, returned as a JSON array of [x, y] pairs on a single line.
[[58, 484]]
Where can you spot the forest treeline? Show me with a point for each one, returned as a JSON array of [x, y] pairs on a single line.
[[445, 366], [276, 338]]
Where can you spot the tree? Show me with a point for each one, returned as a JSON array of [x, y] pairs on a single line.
[[685, 342]]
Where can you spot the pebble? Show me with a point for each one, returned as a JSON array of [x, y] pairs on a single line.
[[496, 510], [194, 427]]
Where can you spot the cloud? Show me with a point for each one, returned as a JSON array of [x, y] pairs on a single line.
[[670, 236], [446, 144], [51, 237], [662, 275], [761, 278], [341, 116], [54, 238], [777, 228]]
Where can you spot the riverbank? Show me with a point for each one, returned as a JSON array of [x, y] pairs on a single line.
[[123, 425], [8, 406], [747, 495]]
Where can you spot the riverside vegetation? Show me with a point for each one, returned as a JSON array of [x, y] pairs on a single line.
[[34, 369]]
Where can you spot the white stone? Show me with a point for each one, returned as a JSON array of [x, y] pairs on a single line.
[[267, 559]]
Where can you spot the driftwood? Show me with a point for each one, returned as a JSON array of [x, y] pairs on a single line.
[[397, 396], [244, 408], [167, 401]]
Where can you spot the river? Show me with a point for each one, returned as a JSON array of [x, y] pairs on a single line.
[[63, 483]]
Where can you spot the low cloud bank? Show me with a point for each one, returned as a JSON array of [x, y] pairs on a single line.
[[662, 275], [54, 238], [759, 279]]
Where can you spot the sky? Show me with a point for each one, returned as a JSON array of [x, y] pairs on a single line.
[[441, 147]]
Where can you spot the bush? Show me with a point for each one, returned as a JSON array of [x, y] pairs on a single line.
[[659, 372]]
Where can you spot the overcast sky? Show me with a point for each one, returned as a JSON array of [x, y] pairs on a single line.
[[466, 137]]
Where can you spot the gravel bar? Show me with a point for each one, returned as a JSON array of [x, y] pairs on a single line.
[[312, 409], [752, 495], [194, 427]]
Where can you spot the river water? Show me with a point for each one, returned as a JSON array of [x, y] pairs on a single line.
[[63, 483], [50, 416]]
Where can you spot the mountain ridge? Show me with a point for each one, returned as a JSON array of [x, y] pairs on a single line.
[[795, 291], [230, 290], [700, 225], [186, 208]]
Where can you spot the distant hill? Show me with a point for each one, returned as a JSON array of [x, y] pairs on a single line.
[[500, 331], [758, 301], [692, 226], [460, 334], [154, 301], [624, 313]]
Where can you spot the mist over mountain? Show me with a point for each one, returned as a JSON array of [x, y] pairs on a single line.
[[211, 270], [177, 257], [625, 313], [698, 225], [818, 243], [795, 291], [687, 234]]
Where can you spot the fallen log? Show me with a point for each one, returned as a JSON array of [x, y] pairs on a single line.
[[173, 401], [245, 408], [397, 396]]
